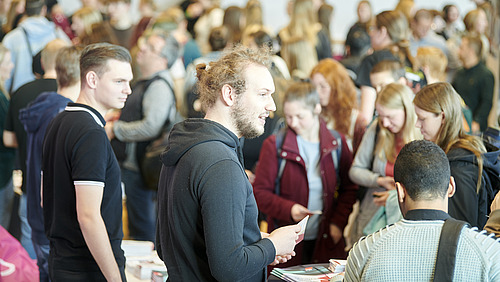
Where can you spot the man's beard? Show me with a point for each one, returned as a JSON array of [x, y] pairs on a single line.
[[243, 121]]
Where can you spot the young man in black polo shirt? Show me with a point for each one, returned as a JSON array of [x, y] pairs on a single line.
[[81, 177]]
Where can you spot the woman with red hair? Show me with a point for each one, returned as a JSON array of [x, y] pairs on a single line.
[[337, 95]]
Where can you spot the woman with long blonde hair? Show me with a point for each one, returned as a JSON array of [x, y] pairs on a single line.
[[374, 161], [338, 100], [475, 167], [299, 39], [83, 20], [476, 23]]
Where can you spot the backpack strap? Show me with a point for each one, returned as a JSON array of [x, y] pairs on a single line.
[[280, 137], [27, 41], [447, 249], [337, 153], [31, 53]]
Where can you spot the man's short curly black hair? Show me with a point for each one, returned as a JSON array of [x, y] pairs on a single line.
[[423, 169]]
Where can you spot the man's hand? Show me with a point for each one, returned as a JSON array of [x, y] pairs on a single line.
[[251, 175], [278, 259], [476, 128], [387, 182], [284, 239], [109, 130], [298, 212], [335, 233], [9, 139], [379, 198], [282, 259]]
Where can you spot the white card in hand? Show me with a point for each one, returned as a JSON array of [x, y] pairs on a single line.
[[302, 225]]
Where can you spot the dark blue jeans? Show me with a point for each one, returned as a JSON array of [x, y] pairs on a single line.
[[140, 207], [42, 260]]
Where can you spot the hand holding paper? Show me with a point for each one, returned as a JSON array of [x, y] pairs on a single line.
[[284, 239], [302, 224], [298, 212]]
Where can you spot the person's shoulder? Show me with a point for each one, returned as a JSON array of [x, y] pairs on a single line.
[[79, 119], [368, 242], [214, 150], [384, 54], [24, 90], [485, 71], [483, 242], [36, 86], [458, 154], [10, 40], [162, 79]]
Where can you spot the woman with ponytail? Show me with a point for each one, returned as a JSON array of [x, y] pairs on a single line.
[[390, 41], [474, 165]]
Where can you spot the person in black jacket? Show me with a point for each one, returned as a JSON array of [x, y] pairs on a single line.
[[207, 214], [474, 165]]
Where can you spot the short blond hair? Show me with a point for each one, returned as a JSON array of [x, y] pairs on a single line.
[[434, 59]]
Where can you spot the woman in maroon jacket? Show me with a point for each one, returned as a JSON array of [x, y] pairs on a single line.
[[308, 181]]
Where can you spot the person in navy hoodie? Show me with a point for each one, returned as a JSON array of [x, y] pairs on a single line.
[[35, 118]]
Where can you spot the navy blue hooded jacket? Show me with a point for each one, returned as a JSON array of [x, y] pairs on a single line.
[[35, 118]]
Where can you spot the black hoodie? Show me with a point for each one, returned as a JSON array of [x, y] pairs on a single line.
[[207, 214], [467, 204]]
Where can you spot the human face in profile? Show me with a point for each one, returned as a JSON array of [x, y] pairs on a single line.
[[254, 105], [113, 86], [429, 123], [322, 87]]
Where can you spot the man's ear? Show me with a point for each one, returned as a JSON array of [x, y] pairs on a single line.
[[401, 192], [451, 187], [91, 79], [317, 109], [383, 31], [402, 80], [228, 95]]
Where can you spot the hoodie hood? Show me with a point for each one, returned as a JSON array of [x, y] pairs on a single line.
[[38, 29], [191, 132], [42, 108], [491, 165]]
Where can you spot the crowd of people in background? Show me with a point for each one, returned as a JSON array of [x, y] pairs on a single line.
[[330, 143]]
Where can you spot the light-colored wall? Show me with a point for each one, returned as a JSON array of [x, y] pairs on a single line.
[[275, 16], [345, 11]]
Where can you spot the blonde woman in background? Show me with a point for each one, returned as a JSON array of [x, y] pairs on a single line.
[[14, 15], [299, 39], [433, 63], [253, 13], [211, 17], [476, 23], [83, 19], [475, 166], [374, 161], [407, 8]]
